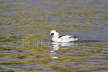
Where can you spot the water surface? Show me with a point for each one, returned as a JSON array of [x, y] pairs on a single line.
[[25, 44]]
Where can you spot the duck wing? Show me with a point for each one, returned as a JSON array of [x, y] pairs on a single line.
[[65, 36]]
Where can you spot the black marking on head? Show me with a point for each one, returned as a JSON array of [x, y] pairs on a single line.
[[52, 33]]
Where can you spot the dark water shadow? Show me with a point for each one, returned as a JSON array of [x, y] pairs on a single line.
[[91, 41]]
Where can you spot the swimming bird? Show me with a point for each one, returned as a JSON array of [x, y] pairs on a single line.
[[56, 37]]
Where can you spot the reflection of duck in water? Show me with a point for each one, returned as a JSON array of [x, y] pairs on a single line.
[[55, 47], [65, 38]]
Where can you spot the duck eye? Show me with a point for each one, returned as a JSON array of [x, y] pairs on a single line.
[[52, 33]]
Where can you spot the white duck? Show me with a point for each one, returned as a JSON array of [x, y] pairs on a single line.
[[65, 38]]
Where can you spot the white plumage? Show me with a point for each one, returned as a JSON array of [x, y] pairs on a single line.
[[65, 38]]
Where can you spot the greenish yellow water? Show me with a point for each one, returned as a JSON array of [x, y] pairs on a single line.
[[25, 44]]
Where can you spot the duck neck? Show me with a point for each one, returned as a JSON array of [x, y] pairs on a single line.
[[56, 36]]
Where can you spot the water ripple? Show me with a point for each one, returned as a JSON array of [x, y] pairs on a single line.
[[23, 2]]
